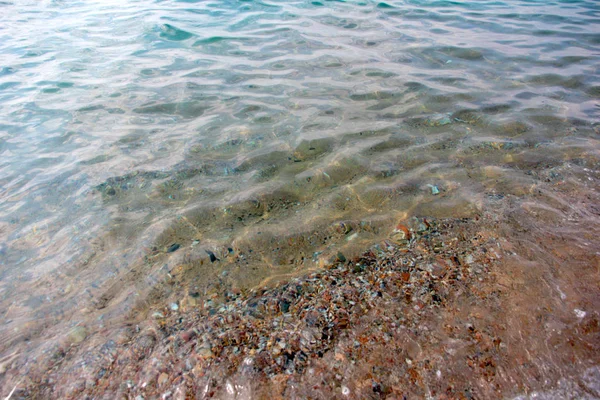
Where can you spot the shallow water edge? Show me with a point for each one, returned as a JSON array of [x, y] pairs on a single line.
[[493, 306]]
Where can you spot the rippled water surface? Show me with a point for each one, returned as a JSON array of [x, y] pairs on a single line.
[[254, 140]]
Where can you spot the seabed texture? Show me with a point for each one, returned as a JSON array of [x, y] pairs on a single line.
[[443, 308]]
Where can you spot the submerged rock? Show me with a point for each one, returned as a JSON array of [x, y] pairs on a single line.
[[78, 334], [174, 247]]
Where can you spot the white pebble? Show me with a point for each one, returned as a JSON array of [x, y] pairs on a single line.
[[229, 387]]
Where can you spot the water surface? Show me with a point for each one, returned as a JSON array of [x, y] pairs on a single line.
[[248, 141]]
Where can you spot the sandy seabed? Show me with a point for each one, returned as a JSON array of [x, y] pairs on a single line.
[[502, 305]]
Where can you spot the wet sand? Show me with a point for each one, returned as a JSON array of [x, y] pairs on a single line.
[[501, 305]]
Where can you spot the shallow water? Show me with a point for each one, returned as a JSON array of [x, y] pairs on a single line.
[[246, 142]]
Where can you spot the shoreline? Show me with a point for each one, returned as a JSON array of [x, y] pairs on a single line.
[[423, 314]]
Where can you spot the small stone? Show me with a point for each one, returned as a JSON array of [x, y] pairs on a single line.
[[401, 232], [422, 227], [211, 256], [68, 289], [78, 334], [205, 352], [352, 237], [162, 379], [438, 120], [174, 306], [345, 391], [157, 315], [188, 335], [434, 189], [284, 306], [110, 191], [173, 247], [143, 345]]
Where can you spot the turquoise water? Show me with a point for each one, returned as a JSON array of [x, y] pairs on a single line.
[[137, 136]]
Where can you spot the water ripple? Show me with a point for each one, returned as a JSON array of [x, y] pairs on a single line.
[[129, 126]]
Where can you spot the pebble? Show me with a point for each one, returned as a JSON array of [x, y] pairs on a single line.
[[318, 307], [401, 235], [211, 256], [162, 379], [434, 189], [438, 120], [78, 334], [188, 335], [173, 247], [205, 352], [352, 237]]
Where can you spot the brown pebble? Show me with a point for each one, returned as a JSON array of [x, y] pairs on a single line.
[[205, 352], [188, 335], [162, 379], [402, 232]]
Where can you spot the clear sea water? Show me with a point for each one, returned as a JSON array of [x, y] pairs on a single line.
[[140, 136]]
